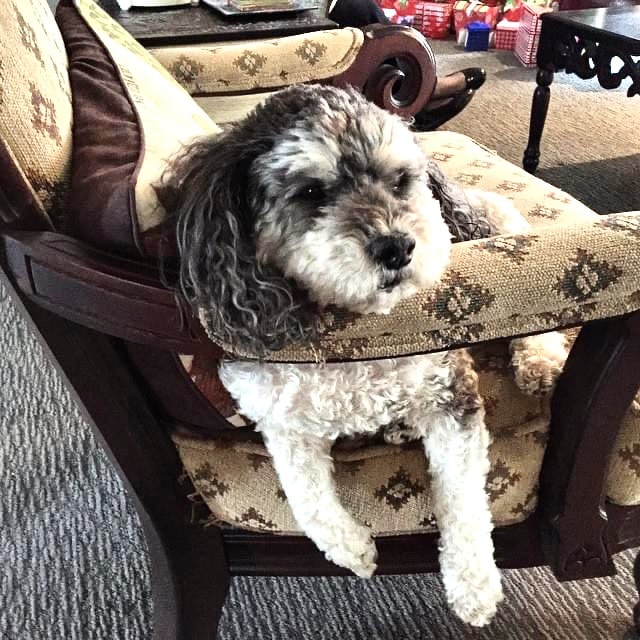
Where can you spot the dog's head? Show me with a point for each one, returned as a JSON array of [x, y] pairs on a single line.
[[317, 197]]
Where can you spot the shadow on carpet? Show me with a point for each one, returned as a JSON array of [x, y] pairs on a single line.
[[603, 185]]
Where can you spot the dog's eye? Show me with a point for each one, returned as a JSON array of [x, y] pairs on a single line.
[[401, 182], [312, 192]]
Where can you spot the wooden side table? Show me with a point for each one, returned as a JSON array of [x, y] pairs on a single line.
[[202, 24], [584, 43]]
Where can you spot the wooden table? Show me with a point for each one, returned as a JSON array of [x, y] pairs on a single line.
[[584, 43], [202, 24]]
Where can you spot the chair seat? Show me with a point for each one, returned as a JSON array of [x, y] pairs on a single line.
[[387, 486]]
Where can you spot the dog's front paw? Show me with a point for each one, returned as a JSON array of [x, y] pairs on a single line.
[[475, 597], [356, 552], [537, 375], [538, 361]]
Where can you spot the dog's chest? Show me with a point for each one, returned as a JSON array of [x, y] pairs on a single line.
[[335, 399]]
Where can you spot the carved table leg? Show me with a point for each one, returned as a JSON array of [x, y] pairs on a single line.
[[538, 116]]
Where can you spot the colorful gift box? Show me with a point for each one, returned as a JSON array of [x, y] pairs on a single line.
[[433, 19], [465, 12], [513, 9], [399, 11], [506, 32], [528, 35], [477, 36]]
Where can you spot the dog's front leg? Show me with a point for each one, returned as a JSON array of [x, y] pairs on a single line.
[[305, 469], [457, 449]]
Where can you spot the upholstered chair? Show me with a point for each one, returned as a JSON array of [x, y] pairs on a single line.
[[88, 118]]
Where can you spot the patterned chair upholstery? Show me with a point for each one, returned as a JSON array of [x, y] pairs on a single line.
[[35, 113], [260, 64]]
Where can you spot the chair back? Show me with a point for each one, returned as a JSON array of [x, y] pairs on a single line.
[[35, 116]]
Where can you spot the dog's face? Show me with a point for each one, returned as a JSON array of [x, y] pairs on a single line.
[[318, 196], [343, 207]]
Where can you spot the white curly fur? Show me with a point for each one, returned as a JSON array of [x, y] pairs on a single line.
[[301, 409]]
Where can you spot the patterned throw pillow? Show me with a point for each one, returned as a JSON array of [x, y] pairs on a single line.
[[129, 117]]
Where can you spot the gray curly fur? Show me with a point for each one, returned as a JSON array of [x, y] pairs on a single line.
[[212, 198], [464, 222], [209, 193]]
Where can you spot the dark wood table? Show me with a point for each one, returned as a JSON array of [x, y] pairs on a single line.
[[202, 24], [584, 43]]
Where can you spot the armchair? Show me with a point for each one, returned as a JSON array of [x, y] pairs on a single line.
[[140, 365]]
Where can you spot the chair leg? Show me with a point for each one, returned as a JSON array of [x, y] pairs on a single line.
[[189, 581]]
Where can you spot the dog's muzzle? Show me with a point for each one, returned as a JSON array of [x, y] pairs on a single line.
[[393, 252]]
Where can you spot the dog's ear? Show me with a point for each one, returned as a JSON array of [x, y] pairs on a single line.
[[244, 305], [464, 223]]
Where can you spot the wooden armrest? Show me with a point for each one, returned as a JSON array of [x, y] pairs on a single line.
[[598, 383], [405, 91], [111, 294]]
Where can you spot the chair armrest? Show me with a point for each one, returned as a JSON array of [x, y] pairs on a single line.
[[111, 294], [552, 277], [339, 56]]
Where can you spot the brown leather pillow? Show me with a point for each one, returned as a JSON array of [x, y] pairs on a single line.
[[130, 116]]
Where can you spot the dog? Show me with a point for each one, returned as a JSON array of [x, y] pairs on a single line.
[[320, 199]]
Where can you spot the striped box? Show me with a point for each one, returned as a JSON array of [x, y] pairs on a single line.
[[526, 47], [530, 19], [433, 19], [506, 32], [528, 35]]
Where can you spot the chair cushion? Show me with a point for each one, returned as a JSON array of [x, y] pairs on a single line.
[[472, 165], [35, 115], [623, 480], [388, 486], [130, 117]]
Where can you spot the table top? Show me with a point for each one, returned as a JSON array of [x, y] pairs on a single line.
[[202, 24], [622, 23]]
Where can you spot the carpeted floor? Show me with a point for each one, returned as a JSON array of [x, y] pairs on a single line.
[[589, 147], [72, 557]]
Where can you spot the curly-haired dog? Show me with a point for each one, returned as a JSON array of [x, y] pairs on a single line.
[[320, 198]]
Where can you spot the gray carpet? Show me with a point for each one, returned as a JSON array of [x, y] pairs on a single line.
[[590, 145], [72, 558]]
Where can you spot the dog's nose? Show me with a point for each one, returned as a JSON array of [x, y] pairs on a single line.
[[393, 251]]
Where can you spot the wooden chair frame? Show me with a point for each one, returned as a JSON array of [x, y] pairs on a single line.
[[113, 330]]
